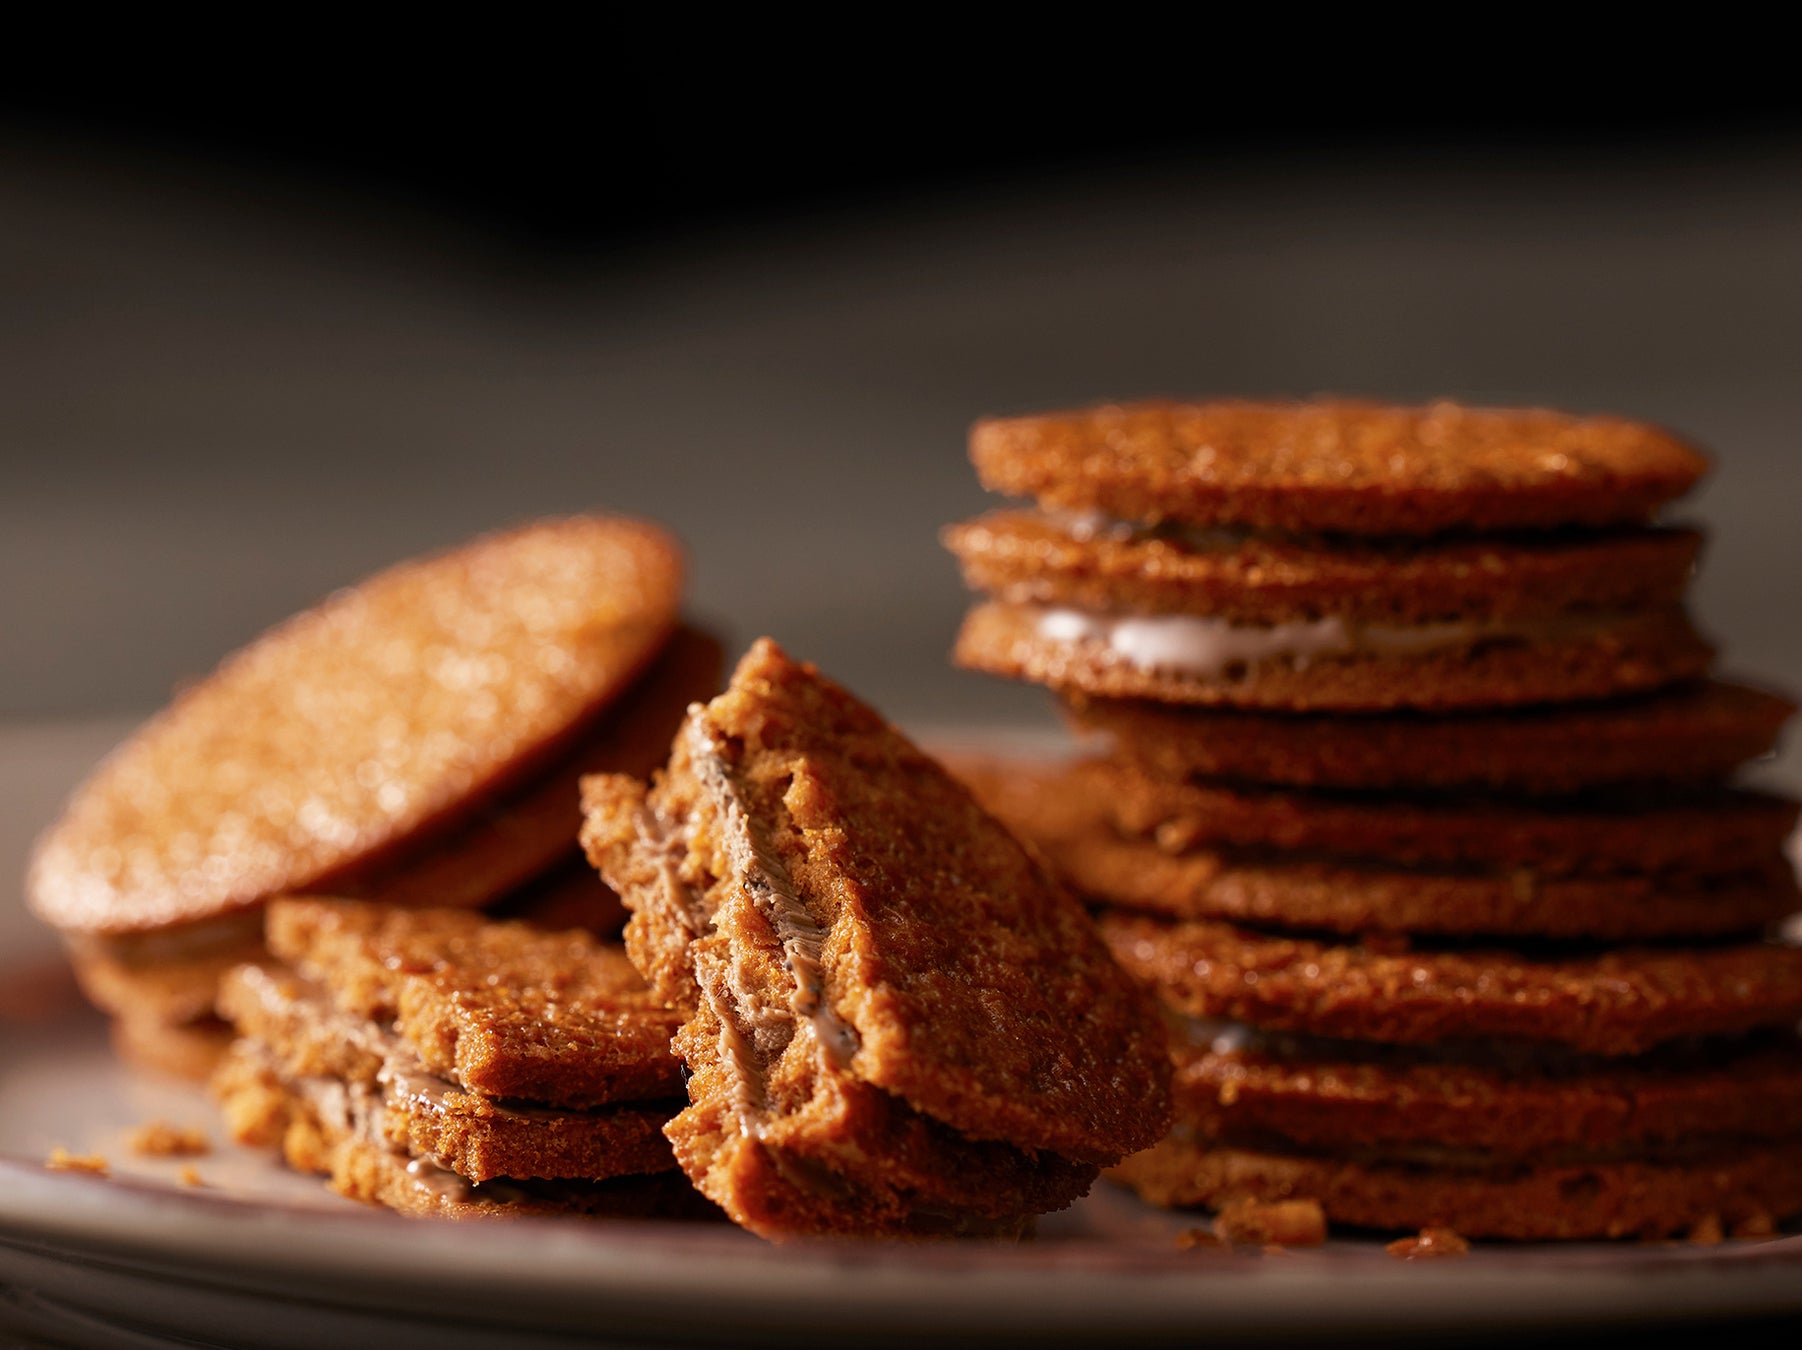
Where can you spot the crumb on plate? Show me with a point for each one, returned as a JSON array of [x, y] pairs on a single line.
[[1287, 1223], [1429, 1244], [61, 1160], [160, 1139]]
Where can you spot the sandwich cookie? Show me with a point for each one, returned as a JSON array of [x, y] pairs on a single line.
[[1331, 556], [897, 1023]]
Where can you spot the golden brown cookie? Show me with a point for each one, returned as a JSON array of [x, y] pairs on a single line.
[[1034, 558], [1548, 1202], [1338, 465], [1332, 664], [1692, 733], [499, 1008], [1618, 1002], [888, 994], [391, 711]]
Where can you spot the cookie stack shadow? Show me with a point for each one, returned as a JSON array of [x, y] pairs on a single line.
[[1414, 805]]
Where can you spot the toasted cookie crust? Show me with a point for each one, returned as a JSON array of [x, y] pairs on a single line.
[[1342, 466], [1630, 654], [1547, 1203], [1620, 1002], [1028, 558], [1688, 734], [391, 709], [1508, 1101]]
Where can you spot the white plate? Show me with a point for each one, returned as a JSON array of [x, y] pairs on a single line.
[[262, 1257]]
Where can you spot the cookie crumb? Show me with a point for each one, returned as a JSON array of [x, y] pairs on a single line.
[[61, 1160], [160, 1139], [1756, 1226], [1707, 1233], [1429, 1244], [1287, 1223], [189, 1176], [1199, 1238]]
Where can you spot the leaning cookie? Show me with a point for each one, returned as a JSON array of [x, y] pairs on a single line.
[[897, 1022], [416, 738]]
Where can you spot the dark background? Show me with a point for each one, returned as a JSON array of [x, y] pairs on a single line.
[[263, 336]]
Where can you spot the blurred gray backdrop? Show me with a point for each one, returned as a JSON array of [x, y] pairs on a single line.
[[221, 397]]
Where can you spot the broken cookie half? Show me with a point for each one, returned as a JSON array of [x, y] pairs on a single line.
[[897, 1022], [442, 1064]]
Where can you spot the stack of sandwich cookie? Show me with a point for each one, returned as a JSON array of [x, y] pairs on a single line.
[[439, 1063], [1414, 808], [415, 739], [895, 1022]]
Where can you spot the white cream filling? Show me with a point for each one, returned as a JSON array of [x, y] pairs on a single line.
[[1206, 647]]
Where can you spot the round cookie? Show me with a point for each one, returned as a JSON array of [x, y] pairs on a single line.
[[1326, 666], [1511, 1101], [1065, 816], [1027, 557], [1338, 465], [1551, 1202], [1689, 734], [1620, 1002], [392, 710], [1704, 833]]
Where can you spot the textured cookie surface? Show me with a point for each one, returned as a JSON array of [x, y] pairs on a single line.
[[500, 1008], [1032, 558], [386, 711], [1620, 1002], [877, 967], [1326, 664], [1357, 468], [1688, 734]]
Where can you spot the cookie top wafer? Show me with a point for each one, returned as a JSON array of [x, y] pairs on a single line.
[[1620, 1002], [1339, 466], [1689, 734], [499, 1008], [391, 710]]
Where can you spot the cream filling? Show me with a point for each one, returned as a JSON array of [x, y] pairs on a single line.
[[1204, 647], [757, 870]]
